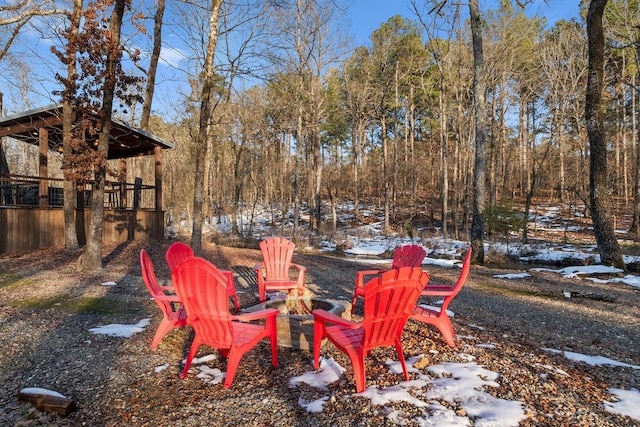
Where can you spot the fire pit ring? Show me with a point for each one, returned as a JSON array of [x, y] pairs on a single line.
[[296, 330]]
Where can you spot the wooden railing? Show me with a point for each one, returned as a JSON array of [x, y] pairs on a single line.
[[24, 191]]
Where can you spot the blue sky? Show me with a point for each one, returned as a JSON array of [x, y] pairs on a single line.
[[362, 18], [368, 15]]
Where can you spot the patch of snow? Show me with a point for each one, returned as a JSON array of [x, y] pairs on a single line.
[[591, 360], [122, 331]]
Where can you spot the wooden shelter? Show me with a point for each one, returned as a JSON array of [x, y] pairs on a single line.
[[31, 207]]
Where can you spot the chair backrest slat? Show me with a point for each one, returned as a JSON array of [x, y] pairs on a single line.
[[388, 302], [277, 253], [408, 256], [203, 291]]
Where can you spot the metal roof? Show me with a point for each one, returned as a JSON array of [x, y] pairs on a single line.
[[126, 140]]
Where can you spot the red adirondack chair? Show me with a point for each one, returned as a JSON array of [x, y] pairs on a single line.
[[439, 317], [178, 251], [403, 256], [389, 300], [173, 313], [273, 272], [202, 288]]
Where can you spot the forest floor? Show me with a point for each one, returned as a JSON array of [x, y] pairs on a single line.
[[47, 309]]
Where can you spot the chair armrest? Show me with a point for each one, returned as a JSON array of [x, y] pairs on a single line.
[[170, 298], [299, 267], [360, 275], [324, 316], [301, 273], [437, 290], [255, 315]]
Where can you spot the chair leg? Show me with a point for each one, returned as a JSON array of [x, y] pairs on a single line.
[[232, 366], [398, 346], [235, 301], [318, 332], [357, 360], [163, 329], [273, 339], [192, 352], [446, 329], [444, 325]]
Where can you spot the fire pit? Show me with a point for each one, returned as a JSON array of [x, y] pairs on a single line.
[[296, 330]]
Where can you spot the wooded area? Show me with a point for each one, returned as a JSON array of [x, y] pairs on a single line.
[[391, 123]]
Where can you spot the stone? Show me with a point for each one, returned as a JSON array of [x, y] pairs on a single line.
[[296, 330]]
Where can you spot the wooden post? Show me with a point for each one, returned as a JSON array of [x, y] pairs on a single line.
[[122, 179], [43, 172], [5, 188], [4, 165], [158, 177], [137, 188]]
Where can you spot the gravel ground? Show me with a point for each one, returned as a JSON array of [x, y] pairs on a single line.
[[47, 308]]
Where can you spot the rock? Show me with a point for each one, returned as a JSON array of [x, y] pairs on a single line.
[[421, 363]]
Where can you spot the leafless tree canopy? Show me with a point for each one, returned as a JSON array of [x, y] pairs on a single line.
[[288, 114]]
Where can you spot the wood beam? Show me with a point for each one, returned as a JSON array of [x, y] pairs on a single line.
[[19, 128]]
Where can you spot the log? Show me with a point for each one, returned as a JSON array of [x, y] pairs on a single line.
[[51, 402]]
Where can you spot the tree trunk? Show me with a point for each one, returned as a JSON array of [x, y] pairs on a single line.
[[480, 163], [385, 173], [204, 125], [561, 155], [356, 135], [153, 66], [317, 179], [238, 187], [444, 160], [598, 189], [635, 224], [68, 117], [92, 257]]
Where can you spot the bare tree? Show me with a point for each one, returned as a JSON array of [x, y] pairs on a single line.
[[15, 15], [153, 64], [310, 44], [92, 257], [68, 57], [204, 126], [480, 165], [598, 179]]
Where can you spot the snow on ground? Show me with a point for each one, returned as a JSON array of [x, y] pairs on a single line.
[[591, 360], [463, 383], [626, 403], [41, 392], [124, 331]]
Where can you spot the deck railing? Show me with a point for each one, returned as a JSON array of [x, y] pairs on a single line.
[[25, 191]]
